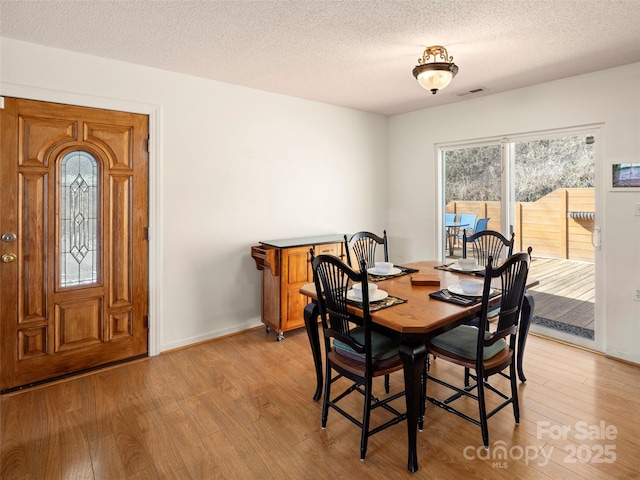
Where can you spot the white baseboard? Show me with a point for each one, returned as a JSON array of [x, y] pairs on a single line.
[[622, 355], [210, 335]]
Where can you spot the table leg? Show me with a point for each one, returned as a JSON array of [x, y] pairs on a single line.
[[413, 357], [311, 314], [525, 321]]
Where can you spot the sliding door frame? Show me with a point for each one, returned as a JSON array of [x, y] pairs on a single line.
[[507, 200]]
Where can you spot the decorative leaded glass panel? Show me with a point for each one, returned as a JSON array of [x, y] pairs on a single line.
[[78, 219]]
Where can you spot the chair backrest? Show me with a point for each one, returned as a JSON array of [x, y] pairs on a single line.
[[449, 218], [513, 274], [468, 221], [363, 245], [333, 278], [481, 225], [486, 244]]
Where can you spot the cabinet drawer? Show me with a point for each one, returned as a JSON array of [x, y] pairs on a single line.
[[329, 249]]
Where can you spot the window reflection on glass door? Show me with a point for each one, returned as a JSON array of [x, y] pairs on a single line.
[[472, 192]]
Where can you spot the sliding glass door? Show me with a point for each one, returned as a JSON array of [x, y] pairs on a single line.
[[542, 188], [473, 188]]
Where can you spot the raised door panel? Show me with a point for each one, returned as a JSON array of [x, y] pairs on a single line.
[[295, 309], [120, 241], [294, 274], [38, 134], [295, 265], [32, 233], [271, 297], [78, 324]]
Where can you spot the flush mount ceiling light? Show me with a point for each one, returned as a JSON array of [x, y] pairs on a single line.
[[436, 74]]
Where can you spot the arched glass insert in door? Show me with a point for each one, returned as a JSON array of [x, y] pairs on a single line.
[[79, 200]]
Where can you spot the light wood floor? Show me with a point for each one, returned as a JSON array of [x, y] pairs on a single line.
[[241, 407]]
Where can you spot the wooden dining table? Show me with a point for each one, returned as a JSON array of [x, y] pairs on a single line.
[[413, 324]]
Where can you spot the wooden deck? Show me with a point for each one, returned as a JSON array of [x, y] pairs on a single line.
[[566, 293]]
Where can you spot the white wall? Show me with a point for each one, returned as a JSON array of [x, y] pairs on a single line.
[[240, 165], [611, 98], [237, 166]]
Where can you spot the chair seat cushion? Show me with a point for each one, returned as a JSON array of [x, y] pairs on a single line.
[[463, 340], [382, 347]]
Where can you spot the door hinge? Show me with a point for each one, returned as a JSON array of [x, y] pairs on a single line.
[[146, 321], [146, 233], [146, 145]]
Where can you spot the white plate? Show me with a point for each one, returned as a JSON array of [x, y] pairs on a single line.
[[478, 268], [457, 289], [394, 271], [376, 297]]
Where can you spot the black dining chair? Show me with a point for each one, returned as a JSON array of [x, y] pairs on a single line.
[[353, 351], [487, 244], [364, 246], [486, 353]]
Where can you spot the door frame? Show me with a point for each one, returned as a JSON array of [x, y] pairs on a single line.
[[155, 175], [598, 129]]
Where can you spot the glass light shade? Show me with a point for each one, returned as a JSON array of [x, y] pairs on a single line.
[[437, 74], [434, 79]]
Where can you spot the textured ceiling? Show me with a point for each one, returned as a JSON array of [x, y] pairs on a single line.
[[357, 54]]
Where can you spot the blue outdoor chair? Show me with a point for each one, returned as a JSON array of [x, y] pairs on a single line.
[[481, 225], [466, 219]]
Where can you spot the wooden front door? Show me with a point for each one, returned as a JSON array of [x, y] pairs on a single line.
[[74, 252]]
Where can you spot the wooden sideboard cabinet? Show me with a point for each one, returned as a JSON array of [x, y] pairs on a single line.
[[285, 266]]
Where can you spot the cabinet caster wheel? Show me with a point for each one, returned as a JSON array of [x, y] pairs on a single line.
[[267, 328], [279, 336]]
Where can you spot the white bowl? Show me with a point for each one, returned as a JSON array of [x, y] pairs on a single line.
[[471, 286], [468, 263], [357, 290], [384, 268]]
